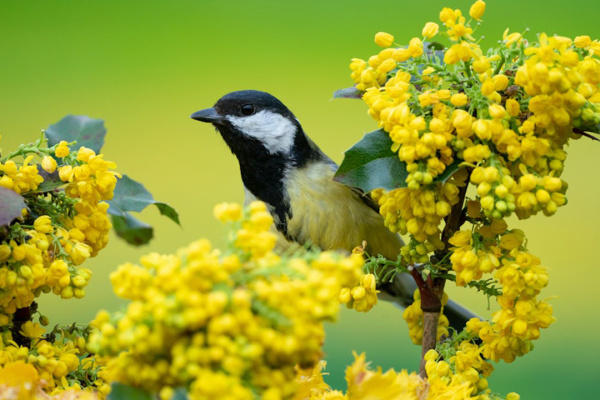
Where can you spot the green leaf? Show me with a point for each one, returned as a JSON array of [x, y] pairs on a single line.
[[347, 93], [11, 204], [130, 195], [86, 131], [121, 391], [371, 164], [132, 230], [51, 181], [168, 211], [180, 394]]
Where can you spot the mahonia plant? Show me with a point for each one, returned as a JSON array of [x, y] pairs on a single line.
[[469, 137], [231, 324], [50, 234], [54, 199]]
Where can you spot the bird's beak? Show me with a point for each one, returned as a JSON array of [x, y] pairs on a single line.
[[209, 115]]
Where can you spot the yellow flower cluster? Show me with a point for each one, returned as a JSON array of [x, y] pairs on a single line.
[[461, 377], [90, 183], [57, 364], [361, 297], [497, 119], [420, 211], [471, 260], [508, 114], [493, 249], [465, 370], [413, 315], [42, 258], [21, 381], [21, 179], [41, 253], [236, 322]]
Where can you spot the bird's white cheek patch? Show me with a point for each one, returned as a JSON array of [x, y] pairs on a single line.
[[274, 130]]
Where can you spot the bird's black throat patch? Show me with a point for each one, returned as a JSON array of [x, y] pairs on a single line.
[[262, 173]]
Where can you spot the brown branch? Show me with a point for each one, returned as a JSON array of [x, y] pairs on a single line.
[[432, 289], [584, 133], [20, 317]]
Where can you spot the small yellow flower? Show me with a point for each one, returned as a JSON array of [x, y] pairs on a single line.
[[415, 47], [43, 224], [62, 150], [582, 42], [65, 173], [509, 39], [384, 39], [459, 99], [49, 164], [477, 9], [84, 154], [228, 212], [32, 330], [430, 30], [513, 107]]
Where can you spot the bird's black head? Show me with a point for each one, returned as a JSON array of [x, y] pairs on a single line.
[[248, 119], [267, 140], [240, 104]]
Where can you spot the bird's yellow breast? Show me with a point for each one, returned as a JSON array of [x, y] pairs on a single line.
[[331, 215]]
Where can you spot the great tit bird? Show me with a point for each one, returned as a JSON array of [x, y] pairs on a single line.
[[281, 166]]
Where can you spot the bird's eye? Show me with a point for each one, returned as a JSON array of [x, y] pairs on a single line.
[[247, 109]]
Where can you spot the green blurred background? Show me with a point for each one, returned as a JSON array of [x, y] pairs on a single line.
[[145, 66]]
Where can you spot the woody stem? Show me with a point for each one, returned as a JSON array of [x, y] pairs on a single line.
[[432, 289]]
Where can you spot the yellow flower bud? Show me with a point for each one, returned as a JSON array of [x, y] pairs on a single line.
[[528, 182], [84, 154], [582, 41], [401, 55], [487, 203], [415, 46], [513, 107], [497, 111], [5, 251], [431, 355], [459, 99], [48, 164], [477, 9], [384, 39], [345, 296], [430, 30], [481, 65], [448, 15], [65, 173], [43, 224], [552, 184], [62, 150], [488, 87], [500, 82], [387, 66], [358, 293]]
